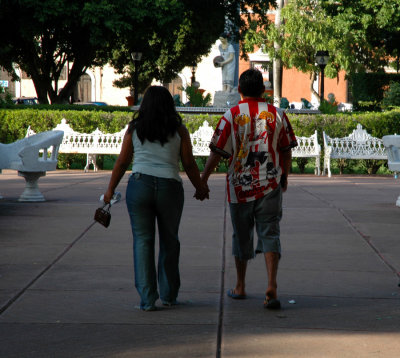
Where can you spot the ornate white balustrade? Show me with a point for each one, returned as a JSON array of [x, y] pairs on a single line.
[[358, 145]]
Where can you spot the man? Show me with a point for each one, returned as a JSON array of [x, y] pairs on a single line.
[[257, 137]]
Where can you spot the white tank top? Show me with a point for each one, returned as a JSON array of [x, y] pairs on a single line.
[[152, 158]]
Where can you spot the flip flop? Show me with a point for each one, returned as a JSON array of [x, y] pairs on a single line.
[[231, 293], [272, 303]]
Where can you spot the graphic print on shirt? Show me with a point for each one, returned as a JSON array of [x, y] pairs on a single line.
[[241, 141], [252, 149]]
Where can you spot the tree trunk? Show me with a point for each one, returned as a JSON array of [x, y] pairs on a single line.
[[76, 72], [315, 93], [277, 65]]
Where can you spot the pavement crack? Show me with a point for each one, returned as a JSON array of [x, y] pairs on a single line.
[[222, 284], [47, 268]]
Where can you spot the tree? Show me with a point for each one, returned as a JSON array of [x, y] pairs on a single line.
[[43, 37], [372, 28], [191, 32], [305, 29], [352, 32]]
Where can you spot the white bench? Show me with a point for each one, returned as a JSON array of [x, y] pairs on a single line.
[[308, 147], [32, 157], [392, 145], [358, 145], [98, 142], [90, 144]]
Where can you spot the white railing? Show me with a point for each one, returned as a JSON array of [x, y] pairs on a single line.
[[358, 145]]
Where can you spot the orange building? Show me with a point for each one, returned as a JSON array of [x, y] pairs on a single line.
[[296, 84]]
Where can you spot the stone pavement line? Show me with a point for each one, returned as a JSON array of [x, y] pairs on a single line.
[[47, 268], [365, 237], [222, 285], [58, 258]]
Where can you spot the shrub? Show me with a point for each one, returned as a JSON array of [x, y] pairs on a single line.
[[196, 96], [392, 96], [14, 124]]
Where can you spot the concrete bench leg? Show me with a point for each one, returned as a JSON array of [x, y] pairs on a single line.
[[31, 192]]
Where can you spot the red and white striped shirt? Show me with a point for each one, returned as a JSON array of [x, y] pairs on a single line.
[[254, 133]]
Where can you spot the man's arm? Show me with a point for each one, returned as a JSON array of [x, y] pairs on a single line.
[[211, 164]]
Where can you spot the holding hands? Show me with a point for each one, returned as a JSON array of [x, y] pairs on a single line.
[[202, 192]]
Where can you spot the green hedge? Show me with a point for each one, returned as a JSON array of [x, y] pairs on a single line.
[[15, 122]]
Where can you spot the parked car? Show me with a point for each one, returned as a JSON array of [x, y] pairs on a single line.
[[91, 103], [26, 100]]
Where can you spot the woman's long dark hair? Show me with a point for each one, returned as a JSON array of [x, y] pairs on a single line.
[[157, 118]]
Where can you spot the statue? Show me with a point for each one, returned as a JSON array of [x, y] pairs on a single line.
[[226, 61]]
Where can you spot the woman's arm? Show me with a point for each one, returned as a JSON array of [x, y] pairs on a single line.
[[190, 166], [122, 163]]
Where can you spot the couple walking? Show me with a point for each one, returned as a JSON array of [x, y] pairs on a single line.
[[255, 136]]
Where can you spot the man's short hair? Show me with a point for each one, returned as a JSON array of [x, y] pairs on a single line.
[[251, 83]]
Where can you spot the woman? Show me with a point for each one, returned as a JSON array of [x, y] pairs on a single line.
[[155, 193]]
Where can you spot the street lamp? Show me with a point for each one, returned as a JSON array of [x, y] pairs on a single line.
[[322, 58], [193, 78], [136, 57]]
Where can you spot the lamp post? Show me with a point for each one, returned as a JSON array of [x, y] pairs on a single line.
[[322, 58], [136, 57], [193, 78]]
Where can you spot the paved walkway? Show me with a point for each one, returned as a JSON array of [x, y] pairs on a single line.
[[66, 284]]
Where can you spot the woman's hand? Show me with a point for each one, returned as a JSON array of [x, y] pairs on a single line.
[[108, 196]]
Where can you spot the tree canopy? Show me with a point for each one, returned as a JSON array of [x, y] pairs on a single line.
[[359, 35], [44, 36]]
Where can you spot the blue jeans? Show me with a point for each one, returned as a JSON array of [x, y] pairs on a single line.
[[150, 199]]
